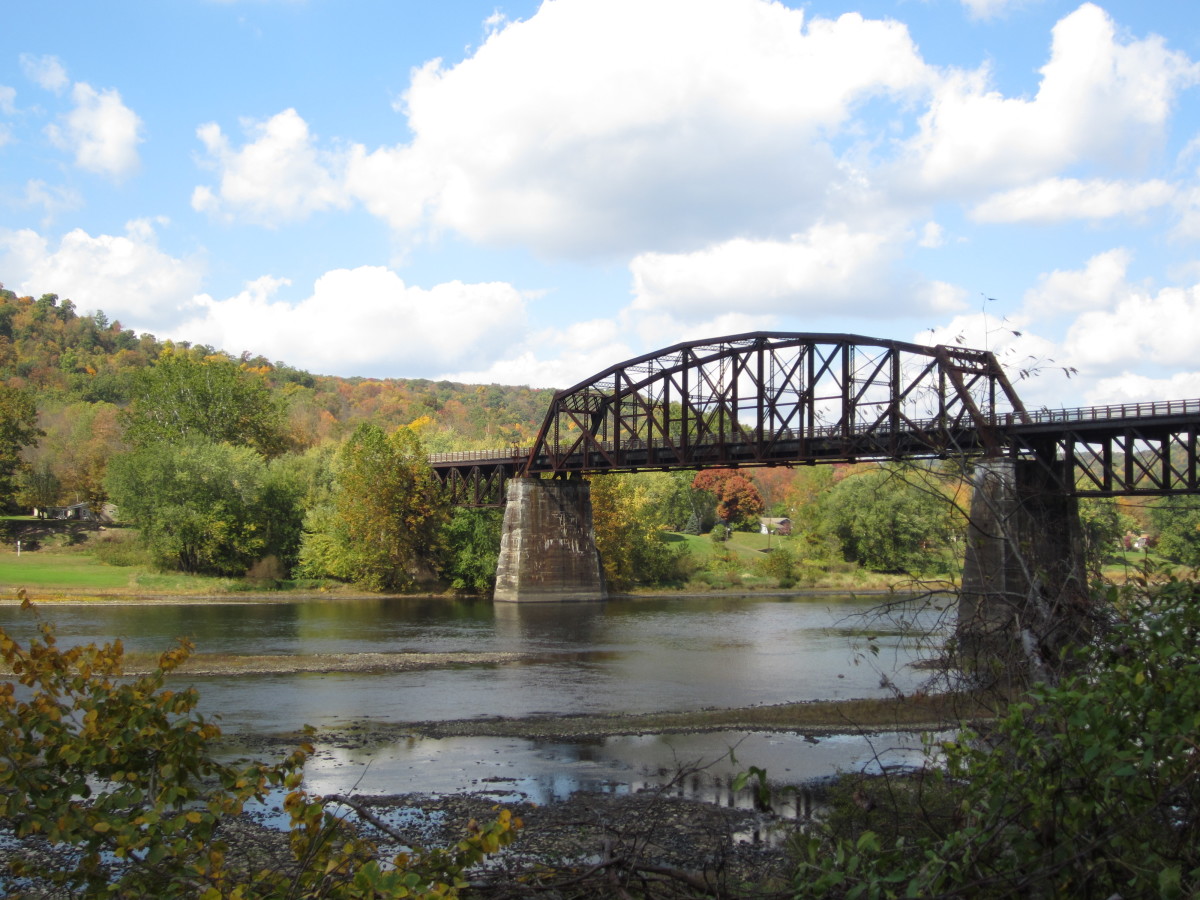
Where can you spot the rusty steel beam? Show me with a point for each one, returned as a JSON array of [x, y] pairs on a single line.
[[784, 398], [763, 398]]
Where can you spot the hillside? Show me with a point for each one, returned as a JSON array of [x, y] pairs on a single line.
[[81, 370]]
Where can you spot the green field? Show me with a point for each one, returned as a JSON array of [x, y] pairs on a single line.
[[59, 570], [80, 572]]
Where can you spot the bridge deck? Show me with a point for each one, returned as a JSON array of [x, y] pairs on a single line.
[[1140, 448]]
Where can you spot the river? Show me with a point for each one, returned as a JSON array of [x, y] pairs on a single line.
[[636, 655]]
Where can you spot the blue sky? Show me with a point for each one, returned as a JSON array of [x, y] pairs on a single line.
[[525, 193]]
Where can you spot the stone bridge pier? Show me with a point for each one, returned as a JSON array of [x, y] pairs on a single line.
[[548, 545], [1024, 592]]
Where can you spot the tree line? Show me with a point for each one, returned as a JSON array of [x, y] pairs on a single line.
[[238, 466]]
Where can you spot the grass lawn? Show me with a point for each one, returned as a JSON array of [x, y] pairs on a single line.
[[45, 569]]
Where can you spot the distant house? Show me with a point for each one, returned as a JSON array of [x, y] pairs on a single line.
[[775, 526], [79, 511]]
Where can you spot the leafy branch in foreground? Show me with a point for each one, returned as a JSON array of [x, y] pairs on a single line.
[[1087, 788], [117, 778]]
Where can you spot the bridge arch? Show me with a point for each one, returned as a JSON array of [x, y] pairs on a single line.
[[769, 398]]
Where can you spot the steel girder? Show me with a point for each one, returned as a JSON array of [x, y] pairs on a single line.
[[767, 398], [480, 484], [770, 398], [1125, 459]]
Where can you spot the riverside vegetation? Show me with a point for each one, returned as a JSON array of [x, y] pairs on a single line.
[[1087, 786], [250, 473], [238, 468]]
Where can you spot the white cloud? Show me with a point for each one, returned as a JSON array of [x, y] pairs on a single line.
[[666, 124], [1062, 199], [101, 131], [579, 351], [1100, 99], [8, 100], [1141, 329], [1130, 387], [932, 236], [829, 269], [127, 276], [363, 320], [1100, 285], [47, 72], [278, 176], [941, 297]]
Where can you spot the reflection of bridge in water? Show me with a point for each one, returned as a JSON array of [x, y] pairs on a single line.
[[769, 398]]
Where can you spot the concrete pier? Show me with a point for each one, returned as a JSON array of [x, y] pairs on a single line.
[[548, 545], [1024, 591]]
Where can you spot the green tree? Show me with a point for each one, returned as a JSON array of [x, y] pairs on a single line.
[[380, 524], [18, 430], [1177, 521], [892, 519], [470, 543], [1102, 524], [40, 487], [206, 507], [674, 502], [185, 396]]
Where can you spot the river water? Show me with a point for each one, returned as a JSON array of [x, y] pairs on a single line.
[[639, 655]]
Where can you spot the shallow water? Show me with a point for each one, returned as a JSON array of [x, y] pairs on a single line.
[[643, 655]]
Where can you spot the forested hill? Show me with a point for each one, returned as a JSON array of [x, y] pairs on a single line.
[[82, 368]]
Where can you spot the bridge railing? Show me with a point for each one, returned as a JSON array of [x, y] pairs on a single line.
[[1111, 412], [480, 455]]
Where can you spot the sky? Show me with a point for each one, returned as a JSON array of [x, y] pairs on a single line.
[[529, 192]]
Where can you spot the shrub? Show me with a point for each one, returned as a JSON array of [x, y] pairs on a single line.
[[119, 548], [1085, 788], [119, 776]]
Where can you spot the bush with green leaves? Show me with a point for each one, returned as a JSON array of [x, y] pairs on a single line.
[[119, 777], [207, 507], [1085, 788], [380, 521], [894, 519], [470, 548], [1177, 521]]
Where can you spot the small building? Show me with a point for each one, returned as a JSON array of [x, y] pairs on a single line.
[[775, 526], [80, 512]]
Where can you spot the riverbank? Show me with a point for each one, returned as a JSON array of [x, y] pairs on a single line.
[[585, 783]]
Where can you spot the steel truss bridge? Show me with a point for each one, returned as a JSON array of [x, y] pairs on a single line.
[[785, 398]]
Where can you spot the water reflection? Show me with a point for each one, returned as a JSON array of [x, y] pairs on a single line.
[[641, 655], [511, 769]]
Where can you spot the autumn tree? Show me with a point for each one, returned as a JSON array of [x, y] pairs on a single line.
[[738, 500], [380, 522], [631, 539], [123, 782], [70, 461]]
